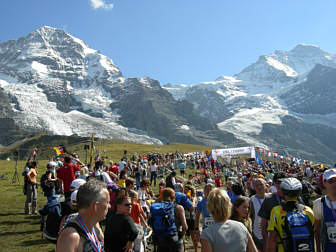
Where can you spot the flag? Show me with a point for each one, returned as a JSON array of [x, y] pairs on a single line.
[[209, 156], [258, 160], [59, 150], [34, 152], [275, 154]]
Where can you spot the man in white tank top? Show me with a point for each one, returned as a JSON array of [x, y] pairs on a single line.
[[256, 201]]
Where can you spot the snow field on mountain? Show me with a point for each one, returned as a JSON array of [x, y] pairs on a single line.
[[39, 113]]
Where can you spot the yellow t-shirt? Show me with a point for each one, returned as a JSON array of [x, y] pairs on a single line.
[[277, 222], [122, 182]]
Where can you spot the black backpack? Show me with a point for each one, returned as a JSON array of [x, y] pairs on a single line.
[[298, 231], [46, 185]]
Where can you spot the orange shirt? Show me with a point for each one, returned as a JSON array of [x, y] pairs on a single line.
[[135, 213]]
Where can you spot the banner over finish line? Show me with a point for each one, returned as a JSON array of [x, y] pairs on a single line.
[[233, 151]]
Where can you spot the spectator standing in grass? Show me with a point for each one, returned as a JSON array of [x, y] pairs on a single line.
[[31, 189]]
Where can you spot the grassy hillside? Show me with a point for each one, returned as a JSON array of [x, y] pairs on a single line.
[[110, 148]]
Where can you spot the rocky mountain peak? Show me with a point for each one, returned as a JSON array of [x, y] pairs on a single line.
[[307, 50]]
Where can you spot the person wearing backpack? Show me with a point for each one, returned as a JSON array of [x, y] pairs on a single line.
[[51, 218], [170, 180], [168, 222], [83, 233], [325, 214], [291, 226], [48, 180]]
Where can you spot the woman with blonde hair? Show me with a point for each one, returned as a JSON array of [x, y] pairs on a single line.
[[224, 234]]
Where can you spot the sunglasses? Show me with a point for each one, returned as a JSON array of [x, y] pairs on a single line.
[[331, 181], [128, 204]]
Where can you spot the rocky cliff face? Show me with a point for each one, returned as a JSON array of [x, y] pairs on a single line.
[[316, 93], [59, 85]]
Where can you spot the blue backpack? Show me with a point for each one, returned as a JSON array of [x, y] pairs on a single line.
[[163, 219], [298, 231]]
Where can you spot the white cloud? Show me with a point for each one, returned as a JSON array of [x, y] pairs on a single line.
[[96, 4]]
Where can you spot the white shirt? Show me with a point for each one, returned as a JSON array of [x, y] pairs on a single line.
[[273, 189], [142, 197], [106, 178], [257, 219], [153, 168], [121, 165], [317, 207]]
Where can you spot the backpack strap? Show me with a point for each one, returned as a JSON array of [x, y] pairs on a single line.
[[77, 228], [323, 199]]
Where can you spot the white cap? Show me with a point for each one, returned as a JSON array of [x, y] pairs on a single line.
[[52, 164], [73, 196], [328, 174], [210, 181], [75, 184]]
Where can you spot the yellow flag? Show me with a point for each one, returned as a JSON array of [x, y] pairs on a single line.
[[322, 165], [57, 151]]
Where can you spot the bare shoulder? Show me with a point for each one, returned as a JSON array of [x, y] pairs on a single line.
[[179, 209], [68, 241]]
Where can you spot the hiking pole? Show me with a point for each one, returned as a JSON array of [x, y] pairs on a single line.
[[15, 175]]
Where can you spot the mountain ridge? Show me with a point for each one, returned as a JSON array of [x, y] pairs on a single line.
[[55, 83]]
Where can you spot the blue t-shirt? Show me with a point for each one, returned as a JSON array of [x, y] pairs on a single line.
[[183, 200], [232, 196], [181, 166], [207, 218]]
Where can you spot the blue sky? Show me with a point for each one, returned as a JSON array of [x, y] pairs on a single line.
[[179, 41]]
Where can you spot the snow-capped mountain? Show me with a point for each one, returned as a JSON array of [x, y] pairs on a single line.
[[298, 85], [55, 83]]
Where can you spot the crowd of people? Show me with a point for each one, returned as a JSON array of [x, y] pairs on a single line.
[[221, 205]]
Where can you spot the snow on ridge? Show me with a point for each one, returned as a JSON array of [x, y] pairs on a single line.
[[250, 121], [282, 67], [87, 50], [39, 113], [185, 127], [39, 68], [177, 91]]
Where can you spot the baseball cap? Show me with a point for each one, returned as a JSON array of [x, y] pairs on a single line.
[[328, 174]]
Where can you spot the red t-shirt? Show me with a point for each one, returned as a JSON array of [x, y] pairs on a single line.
[[135, 213], [114, 169], [67, 174], [218, 182]]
